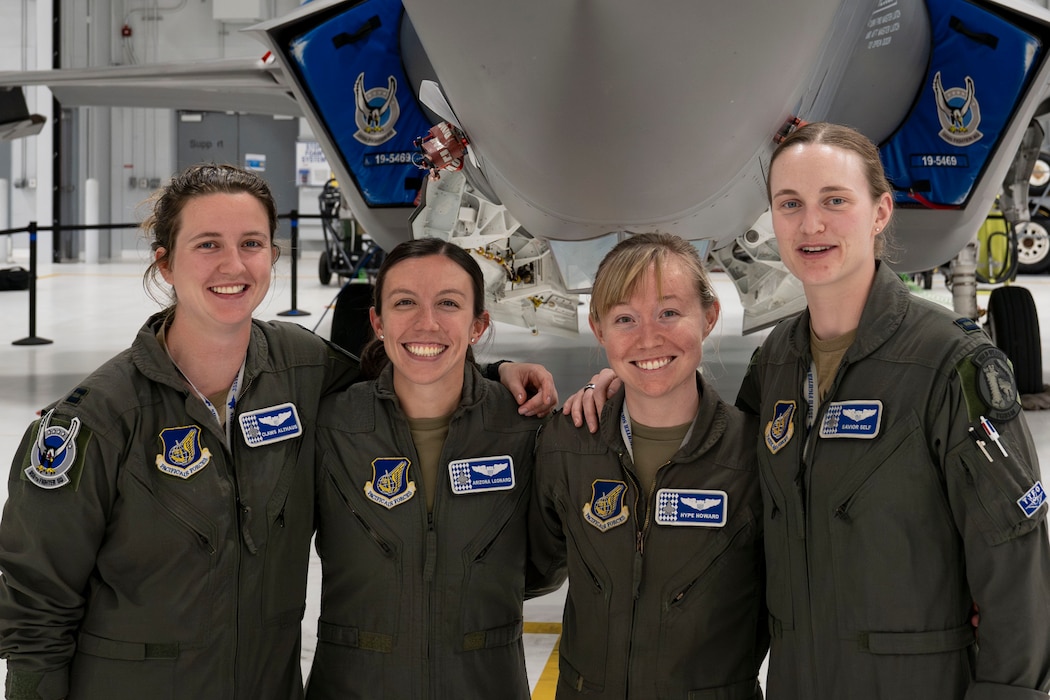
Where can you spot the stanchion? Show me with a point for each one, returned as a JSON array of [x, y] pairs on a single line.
[[294, 223], [32, 339]]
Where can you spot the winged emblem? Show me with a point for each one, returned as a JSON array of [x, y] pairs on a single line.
[[490, 469], [700, 503], [859, 414], [955, 115], [275, 420]]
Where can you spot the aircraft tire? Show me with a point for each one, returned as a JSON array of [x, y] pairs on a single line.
[[1033, 247], [324, 270], [1013, 324], [351, 327]]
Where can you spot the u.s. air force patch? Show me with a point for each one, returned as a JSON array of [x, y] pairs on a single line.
[[390, 486], [691, 507], [481, 474], [606, 509], [996, 385], [54, 459], [182, 454], [782, 427]]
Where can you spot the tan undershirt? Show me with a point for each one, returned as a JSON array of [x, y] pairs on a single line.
[[653, 448], [428, 435], [827, 355]]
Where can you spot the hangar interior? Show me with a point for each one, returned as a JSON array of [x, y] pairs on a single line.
[[90, 301]]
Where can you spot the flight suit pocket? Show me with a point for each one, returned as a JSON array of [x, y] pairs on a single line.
[[116, 669], [745, 690], [895, 551], [778, 560], [586, 619]]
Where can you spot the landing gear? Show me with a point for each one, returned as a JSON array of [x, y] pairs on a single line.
[[1014, 327]]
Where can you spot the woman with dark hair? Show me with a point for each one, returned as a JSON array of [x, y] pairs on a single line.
[[156, 538], [424, 476]]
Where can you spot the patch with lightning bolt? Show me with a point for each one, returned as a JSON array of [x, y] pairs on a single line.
[[390, 485], [182, 454], [606, 508]]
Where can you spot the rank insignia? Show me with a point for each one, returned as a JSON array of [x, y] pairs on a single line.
[[481, 474], [852, 419], [268, 425], [780, 430], [182, 455], [53, 454], [996, 385], [967, 324], [606, 509], [1031, 501], [691, 507], [390, 486]]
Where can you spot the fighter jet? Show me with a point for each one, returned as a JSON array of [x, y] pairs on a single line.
[[536, 135]]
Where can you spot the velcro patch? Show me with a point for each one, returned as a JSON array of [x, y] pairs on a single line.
[[56, 457], [995, 383], [481, 474], [967, 324], [269, 425], [852, 419], [1033, 499], [692, 507]]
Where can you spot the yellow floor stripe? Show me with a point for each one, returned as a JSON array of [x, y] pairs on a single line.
[[547, 684]]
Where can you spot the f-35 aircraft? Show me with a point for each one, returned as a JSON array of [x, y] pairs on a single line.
[[536, 134]]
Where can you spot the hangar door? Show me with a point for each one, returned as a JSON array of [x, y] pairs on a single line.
[[256, 142]]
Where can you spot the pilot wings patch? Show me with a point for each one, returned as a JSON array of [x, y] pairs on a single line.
[[481, 474], [268, 425], [691, 507], [852, 419]]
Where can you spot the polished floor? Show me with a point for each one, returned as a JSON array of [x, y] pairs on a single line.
[[90, 312]]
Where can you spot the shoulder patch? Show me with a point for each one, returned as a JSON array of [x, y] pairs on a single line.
[[995, 383], [968, 325], [56, 457]]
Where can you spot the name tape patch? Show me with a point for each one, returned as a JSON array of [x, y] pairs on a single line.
[[481, 474], [268, 425], [852, 419], [692, 507]]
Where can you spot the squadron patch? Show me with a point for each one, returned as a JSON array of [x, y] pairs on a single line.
[[390, 486], [481, 474], [782, 427], [691, 507], [996, 385], [268, 425], [53, 458], [852, 419], [182, 454], [1031, 501], [606, 509]]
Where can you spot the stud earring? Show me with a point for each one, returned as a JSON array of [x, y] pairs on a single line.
[[877, 229], [381, 336]]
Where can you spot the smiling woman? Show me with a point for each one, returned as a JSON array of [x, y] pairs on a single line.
[[142, 552], [422, 531]]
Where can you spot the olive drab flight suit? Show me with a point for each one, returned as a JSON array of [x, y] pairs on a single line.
[[142, 556], [666, 584], [886, 519], [416, 604]]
